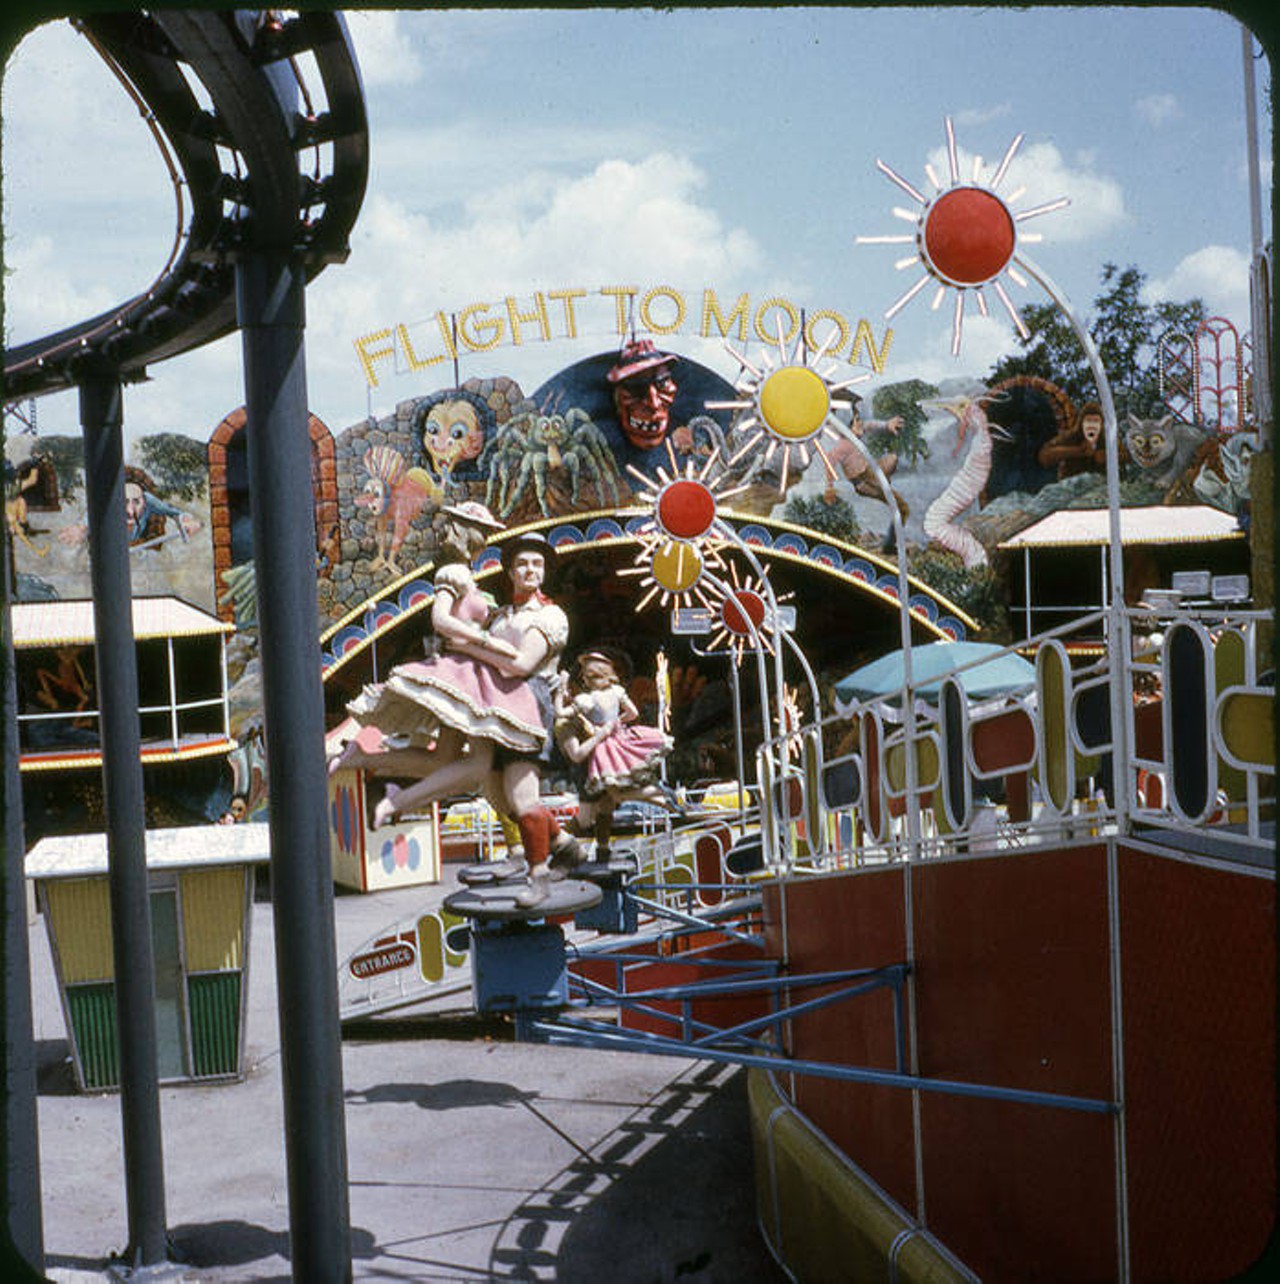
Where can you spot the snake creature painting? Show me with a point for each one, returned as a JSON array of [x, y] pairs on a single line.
[[966, 487]]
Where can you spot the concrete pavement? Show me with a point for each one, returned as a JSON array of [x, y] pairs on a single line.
[[470, 1157]]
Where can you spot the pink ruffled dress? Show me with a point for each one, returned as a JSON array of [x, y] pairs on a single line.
[[454, 690], [628, 759]]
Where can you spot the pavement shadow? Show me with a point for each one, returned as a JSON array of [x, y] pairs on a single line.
[[232, 1243], [55, 1075], [669, 1197], [452, 1094], [459, 1026]]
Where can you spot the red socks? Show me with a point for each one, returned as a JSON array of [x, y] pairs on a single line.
[[537, 827]]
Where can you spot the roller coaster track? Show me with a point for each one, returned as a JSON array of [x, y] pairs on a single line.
[[261, 121]]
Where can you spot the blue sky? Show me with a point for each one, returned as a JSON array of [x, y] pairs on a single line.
[[730, 149]]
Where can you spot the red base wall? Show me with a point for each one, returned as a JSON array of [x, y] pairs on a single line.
[[1013, 988]]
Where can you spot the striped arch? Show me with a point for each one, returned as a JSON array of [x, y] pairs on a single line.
[[228, 493], [769, 539]]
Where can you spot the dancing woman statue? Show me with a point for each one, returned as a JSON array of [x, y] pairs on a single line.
[[477, 715]]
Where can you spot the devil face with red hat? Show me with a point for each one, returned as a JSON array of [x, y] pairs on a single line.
[[644, 390]]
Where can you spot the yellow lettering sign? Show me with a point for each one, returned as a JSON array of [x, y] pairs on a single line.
[[567, 297], [538, 316], [620, 294], [658, 310], [415, 362], [486, 333], [646, 314], [862, 336], [449, 333], [737, 316], [369, 354], [777, 336], [834, 341]]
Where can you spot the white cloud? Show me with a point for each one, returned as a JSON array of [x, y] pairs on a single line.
[[644, 222], [1158, 109], [1097, 202], [983, 115], [984, 341], [1218, 274], [386, 54], [60, 301], [73, 137]]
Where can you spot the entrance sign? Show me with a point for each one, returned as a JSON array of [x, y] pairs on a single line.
[[690, 621]]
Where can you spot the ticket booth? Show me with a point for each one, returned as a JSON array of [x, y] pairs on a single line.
[[201, 881], [183, 710]]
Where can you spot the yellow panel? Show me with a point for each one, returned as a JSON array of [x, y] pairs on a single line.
[[453, 958], [822, 1216], [895, 765], [213, 918], [768, 817], [1229, 662], [431, 947], [1248, 728], [927, 762], [1055, 770], [79, 911]]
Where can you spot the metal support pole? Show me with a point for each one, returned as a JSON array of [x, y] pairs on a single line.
[[1119, 651], [739, 757], [23, 1227], [270, 299], [126, 824]]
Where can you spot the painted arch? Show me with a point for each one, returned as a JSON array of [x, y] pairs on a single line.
[[854, 567]]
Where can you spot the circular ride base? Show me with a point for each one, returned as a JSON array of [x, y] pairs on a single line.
[[518, 957], [496, 904], [490, 873]]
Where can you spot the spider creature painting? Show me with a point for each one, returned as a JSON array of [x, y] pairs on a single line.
[[532, 447]]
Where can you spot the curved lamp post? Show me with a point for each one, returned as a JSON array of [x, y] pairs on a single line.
[[967, 239]]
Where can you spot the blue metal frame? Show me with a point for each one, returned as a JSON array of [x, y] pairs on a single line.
[[590, 1035], [756, 1042]]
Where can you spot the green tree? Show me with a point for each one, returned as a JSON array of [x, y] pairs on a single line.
[[835, 519], [1126, 332], [178, 465], [902, 399], [66, 454]]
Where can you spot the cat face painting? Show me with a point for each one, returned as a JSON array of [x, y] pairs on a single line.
[[1162, 448]]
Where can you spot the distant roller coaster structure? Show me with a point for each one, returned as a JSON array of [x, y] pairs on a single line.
[[261, 121], [260, 153]]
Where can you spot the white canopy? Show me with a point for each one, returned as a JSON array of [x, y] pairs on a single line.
[[1180, 524], [63, 622]]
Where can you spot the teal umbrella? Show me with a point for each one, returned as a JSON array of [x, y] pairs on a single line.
[[1001, 673]]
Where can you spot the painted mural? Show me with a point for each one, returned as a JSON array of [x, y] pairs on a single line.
[[166, 511], [966, 466]]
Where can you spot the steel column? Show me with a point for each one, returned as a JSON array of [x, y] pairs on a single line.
[[270, 301], [126, 823], [20, 1203]]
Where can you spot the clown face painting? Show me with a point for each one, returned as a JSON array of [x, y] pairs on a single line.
[[452, 435]]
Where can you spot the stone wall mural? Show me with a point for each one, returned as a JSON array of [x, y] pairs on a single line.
[[579, 456]]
